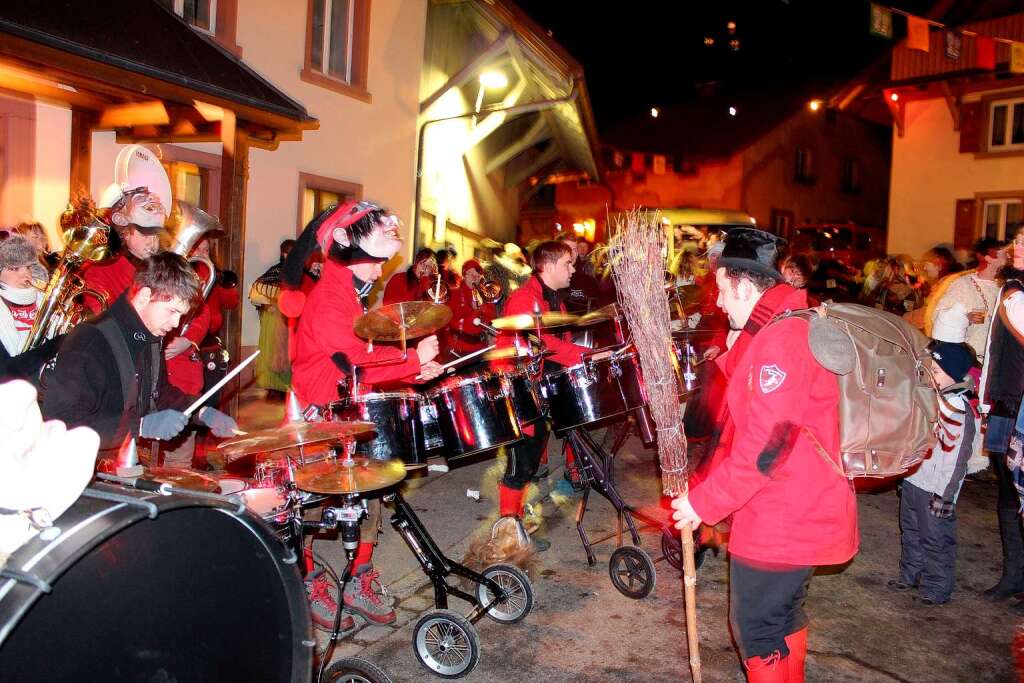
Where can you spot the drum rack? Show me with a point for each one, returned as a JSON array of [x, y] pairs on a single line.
[[631, 568]]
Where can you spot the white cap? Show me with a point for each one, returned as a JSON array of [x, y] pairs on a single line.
[[951, 324], [137, 167]]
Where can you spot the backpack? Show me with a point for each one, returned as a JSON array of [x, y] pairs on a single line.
[[888, 404]]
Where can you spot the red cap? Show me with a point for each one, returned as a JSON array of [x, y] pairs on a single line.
[[470, 265]]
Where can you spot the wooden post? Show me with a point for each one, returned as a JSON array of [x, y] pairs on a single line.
[[690, 597], [234, 176], [82, 123]]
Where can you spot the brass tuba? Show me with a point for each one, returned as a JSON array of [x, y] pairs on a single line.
[[488, 291], [60, 310], [192, 225]]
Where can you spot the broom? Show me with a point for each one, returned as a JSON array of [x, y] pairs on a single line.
[[636, 253]]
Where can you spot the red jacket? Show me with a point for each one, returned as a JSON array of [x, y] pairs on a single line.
[[802, 512], [221, 298], [109, 278], [185, 370], [397, 289], [522, 301], [325, 328], [463, 333]]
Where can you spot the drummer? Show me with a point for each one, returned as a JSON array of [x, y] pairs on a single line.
[[552, 272], [358, 237]]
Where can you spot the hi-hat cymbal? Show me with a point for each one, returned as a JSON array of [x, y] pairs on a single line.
[[182, 478], [602, 314], [355, 475], [529, 321], [291, 436], [420, 318]]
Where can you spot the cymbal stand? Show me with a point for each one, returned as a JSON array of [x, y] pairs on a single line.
[[402, 327]]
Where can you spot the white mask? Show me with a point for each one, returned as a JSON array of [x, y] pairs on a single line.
[[21, 296]]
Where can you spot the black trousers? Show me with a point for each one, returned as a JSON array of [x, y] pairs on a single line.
[[928, 554], [524, 457], [766, 605]]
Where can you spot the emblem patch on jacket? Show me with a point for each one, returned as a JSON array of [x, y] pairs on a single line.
[[771, 378]]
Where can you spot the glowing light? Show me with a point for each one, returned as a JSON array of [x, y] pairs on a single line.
[[579, 229], [654, 112], [734, 44], [708, 40], [496, 80], [732, 111], [895, 97], [731, 26], [814, 105]]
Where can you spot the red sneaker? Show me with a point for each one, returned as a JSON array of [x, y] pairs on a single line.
[[323, 606]]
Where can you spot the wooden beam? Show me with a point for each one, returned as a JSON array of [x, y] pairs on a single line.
[[953, 102], [24, 81], [469, 70], [234, 176], [151, 113], [208, 132], [536, 134], [82, 124], [550, 154]]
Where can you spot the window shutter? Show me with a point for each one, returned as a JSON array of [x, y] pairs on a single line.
[[970, 126], [963, 224]]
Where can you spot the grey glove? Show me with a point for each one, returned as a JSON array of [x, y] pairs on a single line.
[[220, 424], [163, 424], [939, 507]]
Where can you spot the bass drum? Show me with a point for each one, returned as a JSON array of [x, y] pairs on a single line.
[[136, 586]]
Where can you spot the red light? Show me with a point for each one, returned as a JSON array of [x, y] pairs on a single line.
[[895, 97]]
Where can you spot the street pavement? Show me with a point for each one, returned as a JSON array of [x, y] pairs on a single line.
[[582, 629]]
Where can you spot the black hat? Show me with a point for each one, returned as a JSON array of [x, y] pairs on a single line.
[[752, 249], [956, 360]]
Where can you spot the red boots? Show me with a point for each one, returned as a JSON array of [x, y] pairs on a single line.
[[778, 669]]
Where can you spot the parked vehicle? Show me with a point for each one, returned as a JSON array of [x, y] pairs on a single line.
[[849, 243]]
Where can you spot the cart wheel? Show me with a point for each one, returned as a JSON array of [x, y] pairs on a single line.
[[632, 572], [518, 593], [672, 549], [446, 643], [355, 670]]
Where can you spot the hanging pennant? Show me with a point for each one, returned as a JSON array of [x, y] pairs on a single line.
[[954, 43], [984, 52], [917, 33], [881, 21], [1016, 58]]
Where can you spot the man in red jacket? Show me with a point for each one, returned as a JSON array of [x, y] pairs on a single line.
[[357, 237], [780, 400], [553, 269]]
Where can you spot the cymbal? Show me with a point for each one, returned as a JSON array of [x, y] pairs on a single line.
[[356, 475], [528, 321], [182, 478], [291, 436], [609, 312], [511, 352], [419, 317]]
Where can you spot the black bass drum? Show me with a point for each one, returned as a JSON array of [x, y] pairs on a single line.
[[138, 586]]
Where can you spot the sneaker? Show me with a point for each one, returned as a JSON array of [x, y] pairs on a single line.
[[323, 606], [364, 595], [932, 602], [897, 585], [539, 544]]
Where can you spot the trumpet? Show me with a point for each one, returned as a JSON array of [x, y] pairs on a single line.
[[438, 292], [487, 291]]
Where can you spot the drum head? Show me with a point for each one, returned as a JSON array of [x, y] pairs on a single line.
[[196, 594]]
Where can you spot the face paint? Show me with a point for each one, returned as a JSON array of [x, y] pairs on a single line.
[[385, 241]]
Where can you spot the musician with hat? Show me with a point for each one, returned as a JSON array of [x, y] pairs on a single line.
[[19, 304], [357, 237], [471, 305]]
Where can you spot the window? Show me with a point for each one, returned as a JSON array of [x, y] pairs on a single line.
[[781, 222], [337, 36], [1002, 217], [200, 14], [316, 193], [189, 183], [1006, 125], [851, 176], [804, 165]]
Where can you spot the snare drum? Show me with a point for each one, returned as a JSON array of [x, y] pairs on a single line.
[[526, 404], [156, 587], [396, 417], [594, 391], [686, 367], [474, 414]]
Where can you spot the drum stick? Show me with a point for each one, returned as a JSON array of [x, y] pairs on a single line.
[[462, 359], [227, 378]]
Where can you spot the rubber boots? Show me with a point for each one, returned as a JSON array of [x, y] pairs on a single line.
[[771, 669], [797, 644]]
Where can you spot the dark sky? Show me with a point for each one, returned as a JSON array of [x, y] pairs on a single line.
[[646, 53]]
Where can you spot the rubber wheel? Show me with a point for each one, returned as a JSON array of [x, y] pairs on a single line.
[[672, 549], [355, 670], [446, 644], [518, 591], [632, 572]]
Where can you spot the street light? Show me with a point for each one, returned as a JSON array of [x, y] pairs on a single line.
[[732, 111], [814, 105], [654, 112], [895, 97], [494, 80]]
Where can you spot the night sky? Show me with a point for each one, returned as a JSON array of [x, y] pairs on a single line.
[[648, 53]]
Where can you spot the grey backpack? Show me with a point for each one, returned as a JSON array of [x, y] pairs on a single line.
[[887, 400]]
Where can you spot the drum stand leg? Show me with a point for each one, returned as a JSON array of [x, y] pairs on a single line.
[[435, 564]]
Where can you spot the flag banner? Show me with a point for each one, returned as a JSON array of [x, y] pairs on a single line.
[[881, 21], [1016, 58], [917, 33], [658, 164], [638, 164], [984, 52], [954, 43]]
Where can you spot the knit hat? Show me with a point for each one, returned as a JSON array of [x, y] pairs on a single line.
[[17, 251], [951, 324], [470, 265], [956, 360], [752, 249], [319, 235]]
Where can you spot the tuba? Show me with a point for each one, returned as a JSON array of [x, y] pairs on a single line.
[[60, 309], [488, 291], [192, 225]]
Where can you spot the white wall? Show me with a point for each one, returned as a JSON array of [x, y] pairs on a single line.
[[52, 186], [929, 174]]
